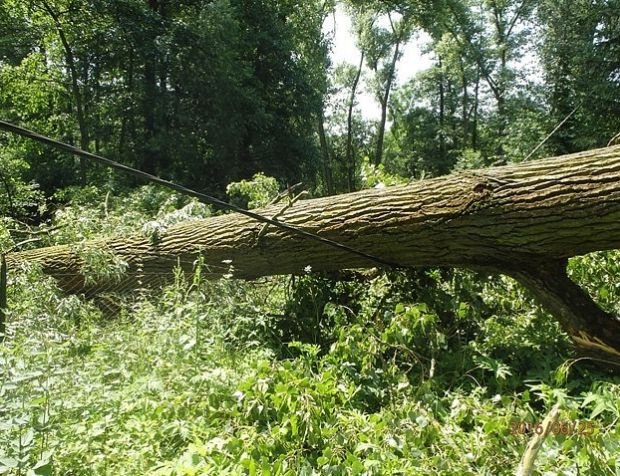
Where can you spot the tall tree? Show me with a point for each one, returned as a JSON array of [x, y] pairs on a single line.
[[580, 52], [493, 33], [382, 49], [386, 77], [486, 109], [348, 133], [349, 157], [77, 92], [203, 92]]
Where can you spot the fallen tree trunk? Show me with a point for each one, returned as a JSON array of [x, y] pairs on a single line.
[[523, 220]]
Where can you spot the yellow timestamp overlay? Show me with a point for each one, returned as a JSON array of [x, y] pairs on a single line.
[[564, 428]]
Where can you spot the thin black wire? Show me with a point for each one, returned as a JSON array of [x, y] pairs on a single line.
[[548, 136], [187, 191]]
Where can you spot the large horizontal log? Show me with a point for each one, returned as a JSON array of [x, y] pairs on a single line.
[[523, 220]]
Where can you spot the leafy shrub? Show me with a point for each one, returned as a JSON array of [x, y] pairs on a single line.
[[254, 193], [91, 212], [20, 198], [417, 372], [373, 176]]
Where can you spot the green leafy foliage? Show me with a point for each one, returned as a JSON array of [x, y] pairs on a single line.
[[375, 176], [205, 92], [92, 212], [425, 371], [599, 274], [101, 265], [254, 193]]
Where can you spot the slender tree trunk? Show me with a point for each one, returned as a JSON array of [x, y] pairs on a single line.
[[350, 158], [3, 297], [326, 155], [150, 154], [464, 101], [149, 160], [474, 125], [524, 220], [503, 31], [442, 114], [97, 95], [75, 87], [127, 115], [502, 119], [385, 102]]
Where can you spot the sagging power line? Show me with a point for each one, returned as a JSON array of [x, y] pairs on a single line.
[[21, 131]]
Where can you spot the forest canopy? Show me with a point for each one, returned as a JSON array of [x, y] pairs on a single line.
[[211, 92]]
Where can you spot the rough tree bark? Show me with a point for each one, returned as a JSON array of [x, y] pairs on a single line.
[[523, 220]]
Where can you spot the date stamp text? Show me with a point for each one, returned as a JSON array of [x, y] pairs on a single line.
[[564, 428]]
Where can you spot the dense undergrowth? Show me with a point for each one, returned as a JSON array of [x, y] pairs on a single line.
[[412, 372]]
